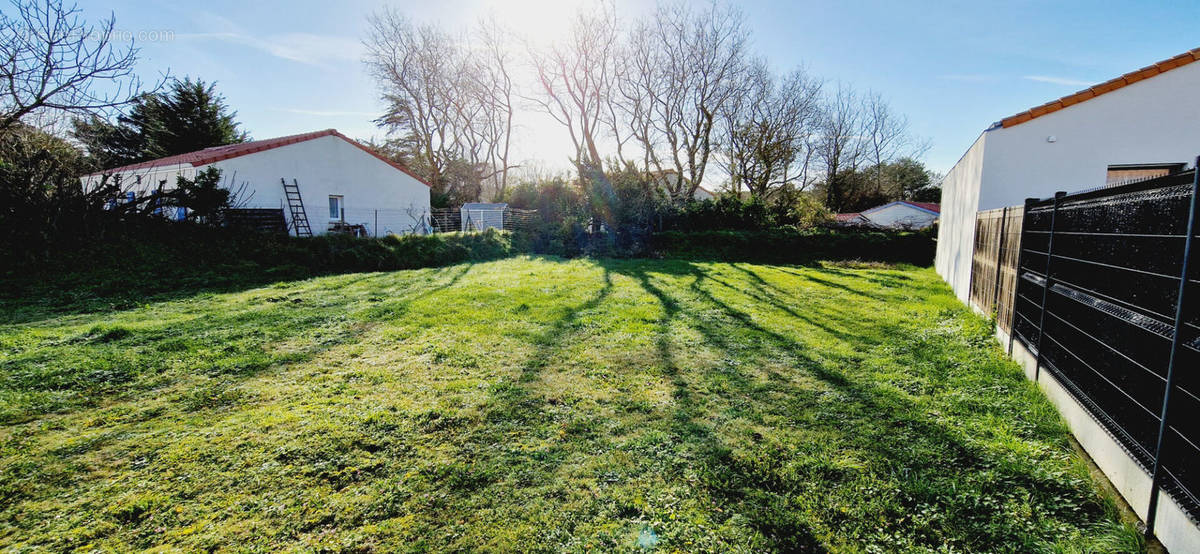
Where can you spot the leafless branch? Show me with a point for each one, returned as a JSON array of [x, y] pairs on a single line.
[[51, 59]]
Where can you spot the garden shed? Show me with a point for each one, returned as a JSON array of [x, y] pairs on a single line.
[[478, 216]]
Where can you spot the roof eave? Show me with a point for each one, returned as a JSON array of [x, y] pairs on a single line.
[[1106, 87]]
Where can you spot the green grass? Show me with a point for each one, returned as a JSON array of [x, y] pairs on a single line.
[[537, 404]]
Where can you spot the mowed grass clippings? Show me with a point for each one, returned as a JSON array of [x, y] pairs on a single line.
[[535, 404]]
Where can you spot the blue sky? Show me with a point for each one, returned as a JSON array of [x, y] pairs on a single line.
[[952, 67]]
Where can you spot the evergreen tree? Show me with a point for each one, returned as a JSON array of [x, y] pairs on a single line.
[[188, 116]]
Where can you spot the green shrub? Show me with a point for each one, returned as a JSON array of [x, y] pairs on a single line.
[[794, 246], [141, 260]]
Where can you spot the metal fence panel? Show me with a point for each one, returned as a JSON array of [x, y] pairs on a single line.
[[1097, 302]]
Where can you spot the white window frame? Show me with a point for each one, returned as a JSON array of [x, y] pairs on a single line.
[[341, 207]]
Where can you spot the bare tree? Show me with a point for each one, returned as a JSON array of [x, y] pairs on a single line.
[[887, 137], [492, 81], [840, 144], [682, 70], [576, 80], [418, 69], [768, 131], [51, 59], [449, 98], [637, 104]]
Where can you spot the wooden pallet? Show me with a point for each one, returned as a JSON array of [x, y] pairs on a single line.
[[264, 220]]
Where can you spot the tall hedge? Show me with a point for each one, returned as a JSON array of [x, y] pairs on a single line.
[[787, 246]]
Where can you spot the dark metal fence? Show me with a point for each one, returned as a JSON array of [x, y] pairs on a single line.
[[1105, 301]]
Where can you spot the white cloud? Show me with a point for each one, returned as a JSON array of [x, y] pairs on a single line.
[[306, 48], [1058, 81]]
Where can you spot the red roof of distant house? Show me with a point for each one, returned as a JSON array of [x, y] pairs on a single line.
[[1104, 88], [219, 153], [926, 205], [847, 217]]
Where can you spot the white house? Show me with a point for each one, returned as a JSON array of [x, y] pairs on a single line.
[[1140, 124], [339, 181], [670, 178], [902, 215]]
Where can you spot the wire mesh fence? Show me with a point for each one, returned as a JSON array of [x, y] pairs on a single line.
[[1105, 302], [449, 220], [366, 222], [520, 220]]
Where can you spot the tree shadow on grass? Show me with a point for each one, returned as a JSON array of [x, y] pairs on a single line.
[[31, 300], [114, 359], [724, 479], [514, 407], [880, 421], [782, 300]]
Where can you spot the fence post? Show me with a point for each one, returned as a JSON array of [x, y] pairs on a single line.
[[1156, 475], [1046, 284], [999, 260], [1012, 326]]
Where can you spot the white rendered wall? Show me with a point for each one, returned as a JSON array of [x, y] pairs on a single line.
[[143, 181], [956, 229], [331, 166], [1156, 120]]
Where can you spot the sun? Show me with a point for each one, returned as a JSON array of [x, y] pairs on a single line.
[[537, 20]]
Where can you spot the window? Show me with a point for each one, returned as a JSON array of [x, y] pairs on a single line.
[[336, 207], [1118, 174]]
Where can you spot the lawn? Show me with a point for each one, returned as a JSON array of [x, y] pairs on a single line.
[[538, 404]]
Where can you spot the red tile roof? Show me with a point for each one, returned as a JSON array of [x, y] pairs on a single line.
[[219, 153], [1104, 88], [926, 205], [847, 217]]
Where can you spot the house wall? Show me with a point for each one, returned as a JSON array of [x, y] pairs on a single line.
[[331, 166], [901, 215], [1150, 121], [371, 189], [143, 181], [956, 228]]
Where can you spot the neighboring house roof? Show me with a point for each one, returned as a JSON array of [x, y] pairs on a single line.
[[848, 217], [1104, 88], [930, 207], [219, 153], [484, 206]]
